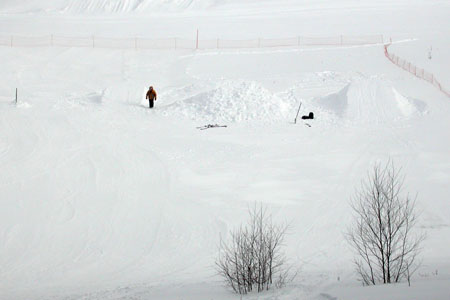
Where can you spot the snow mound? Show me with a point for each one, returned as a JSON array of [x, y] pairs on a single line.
[[369, 101], [335, 102], [233, 102], [101, 6]]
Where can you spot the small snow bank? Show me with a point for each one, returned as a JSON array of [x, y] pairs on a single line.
[[409, 106], [11, 103], [233, 102], [22, 104], [83, 100], [369, 100]]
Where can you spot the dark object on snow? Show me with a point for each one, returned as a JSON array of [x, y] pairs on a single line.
[[310, 116], [151, 96], [210, 126]]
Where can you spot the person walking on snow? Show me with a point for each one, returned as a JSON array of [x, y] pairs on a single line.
[[151, 96]]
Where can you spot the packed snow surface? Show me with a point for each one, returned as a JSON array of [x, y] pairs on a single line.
[[103, 198]]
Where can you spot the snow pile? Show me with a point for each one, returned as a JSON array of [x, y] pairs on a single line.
[[369, 101], [233, 102]]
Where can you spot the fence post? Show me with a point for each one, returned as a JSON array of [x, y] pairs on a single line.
[[196, 43], [295, 120]]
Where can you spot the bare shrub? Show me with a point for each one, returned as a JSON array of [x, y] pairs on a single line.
[[382, 234], [252, 259]]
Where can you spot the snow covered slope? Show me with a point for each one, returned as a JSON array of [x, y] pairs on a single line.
[[148, 6], [101, 6], [102, 198]]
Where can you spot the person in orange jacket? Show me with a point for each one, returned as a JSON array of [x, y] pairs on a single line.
[[151, 96]]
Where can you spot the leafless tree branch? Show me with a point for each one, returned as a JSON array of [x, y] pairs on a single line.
[[382, 235]]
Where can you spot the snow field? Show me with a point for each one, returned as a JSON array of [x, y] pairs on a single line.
[[139, 198], [102, 6], [102, 198]]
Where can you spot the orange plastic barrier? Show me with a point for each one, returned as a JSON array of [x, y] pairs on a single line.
[[411, 68], [180, 43]]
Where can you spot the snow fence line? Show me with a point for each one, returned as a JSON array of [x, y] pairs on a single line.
[[180, 43], [411, 68]]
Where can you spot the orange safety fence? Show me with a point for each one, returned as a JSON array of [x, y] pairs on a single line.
[[411, 68], [180, 43]]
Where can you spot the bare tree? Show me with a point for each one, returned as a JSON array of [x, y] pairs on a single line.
[[382, 234], [252, 259]]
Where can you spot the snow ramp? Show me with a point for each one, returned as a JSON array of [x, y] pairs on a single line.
[[369, 101]]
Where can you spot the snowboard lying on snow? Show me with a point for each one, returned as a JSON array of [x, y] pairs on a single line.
[[210, 126]]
